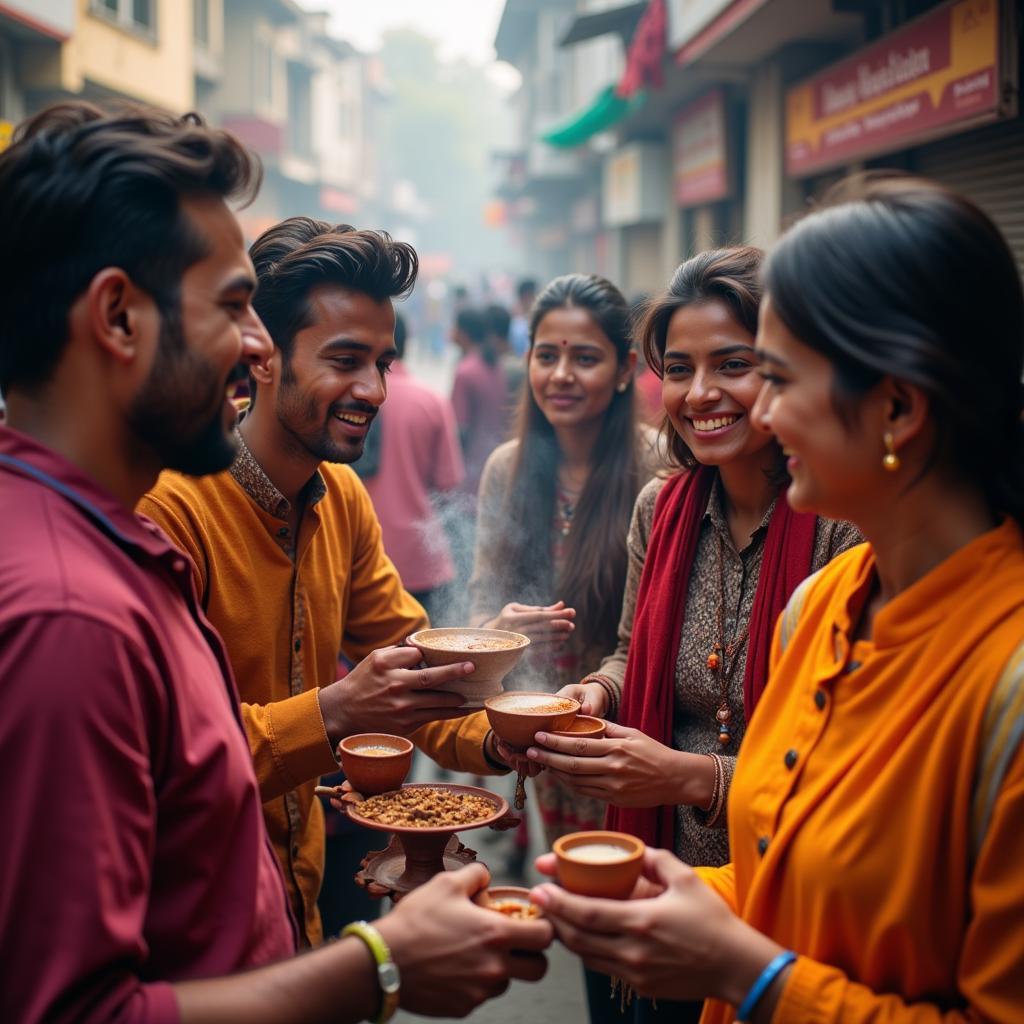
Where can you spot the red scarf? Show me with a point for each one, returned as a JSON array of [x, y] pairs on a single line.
[[648, 693]]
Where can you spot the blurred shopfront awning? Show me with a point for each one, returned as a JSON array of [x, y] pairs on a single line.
[[607, 109], [622, 20]]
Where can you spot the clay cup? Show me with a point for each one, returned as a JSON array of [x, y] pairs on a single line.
[[456, 644], [583, 727], [612, 879], [513, 722], [372, 772]]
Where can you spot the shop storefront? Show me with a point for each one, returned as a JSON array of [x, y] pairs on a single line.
[[938, 96], [704, 166], [634, 205]]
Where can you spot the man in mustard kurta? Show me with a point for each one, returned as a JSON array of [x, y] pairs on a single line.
[[289, 562]]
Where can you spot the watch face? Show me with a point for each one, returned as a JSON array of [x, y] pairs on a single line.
[[387, 976]]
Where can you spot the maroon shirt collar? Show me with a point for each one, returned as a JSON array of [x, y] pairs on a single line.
[[22, 454]]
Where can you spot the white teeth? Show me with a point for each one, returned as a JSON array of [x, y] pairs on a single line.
[[715, 424], [351, 417]]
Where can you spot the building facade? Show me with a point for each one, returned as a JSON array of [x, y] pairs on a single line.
[[752, 109]]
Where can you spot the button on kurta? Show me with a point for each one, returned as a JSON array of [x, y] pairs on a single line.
[[790, 759], [820, 699], [762, 845]]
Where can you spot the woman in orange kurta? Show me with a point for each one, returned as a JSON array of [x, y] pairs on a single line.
[[876, 817]]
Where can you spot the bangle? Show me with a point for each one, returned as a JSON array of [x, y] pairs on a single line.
[[720, 790], [716, 786], [775, 967], [387, 972], [611, 711]]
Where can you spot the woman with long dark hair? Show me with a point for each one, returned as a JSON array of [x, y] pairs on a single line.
[[714, 553], [555, 502], [876, 819]]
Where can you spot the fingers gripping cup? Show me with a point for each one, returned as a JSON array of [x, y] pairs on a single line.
[[493, 652], [516, 716], [605, 864]]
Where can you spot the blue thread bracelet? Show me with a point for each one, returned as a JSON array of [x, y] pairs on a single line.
[[764, 980]]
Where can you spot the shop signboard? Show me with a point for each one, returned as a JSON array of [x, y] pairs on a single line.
[[635, 186], [928, 79], [700, 151]]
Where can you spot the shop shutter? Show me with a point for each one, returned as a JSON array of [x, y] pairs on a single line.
[[987, 165]]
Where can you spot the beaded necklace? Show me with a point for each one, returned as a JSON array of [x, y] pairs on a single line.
[[722, 657]]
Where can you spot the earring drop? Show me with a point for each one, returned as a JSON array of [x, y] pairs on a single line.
[[621, 386], [891, 461]]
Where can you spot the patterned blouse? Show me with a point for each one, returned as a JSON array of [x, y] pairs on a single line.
[[698, 694]]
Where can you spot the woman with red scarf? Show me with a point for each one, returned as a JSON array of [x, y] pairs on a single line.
[[714, 553]]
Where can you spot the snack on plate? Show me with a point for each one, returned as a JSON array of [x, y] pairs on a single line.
[[425, 807]]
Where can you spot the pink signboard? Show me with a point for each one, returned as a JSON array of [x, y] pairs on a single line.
[[700, 153]]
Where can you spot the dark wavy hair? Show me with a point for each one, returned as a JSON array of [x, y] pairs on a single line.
[[899, 276], [594, 573], [300, 254], [83, 188], [730, 276]]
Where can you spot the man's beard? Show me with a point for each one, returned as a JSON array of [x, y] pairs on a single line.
[[179, 413], [299, 416]]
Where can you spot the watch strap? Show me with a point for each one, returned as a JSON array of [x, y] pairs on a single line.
[[387, 971]]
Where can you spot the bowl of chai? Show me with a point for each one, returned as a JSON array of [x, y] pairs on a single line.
[[515, 716], [375, 762], [511, 900], [584, 727], [605, 864], [493, 652]]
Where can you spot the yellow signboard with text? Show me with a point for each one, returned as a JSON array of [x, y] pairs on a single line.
[[914, 84]]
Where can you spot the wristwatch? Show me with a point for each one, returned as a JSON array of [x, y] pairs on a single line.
[[387, 971]]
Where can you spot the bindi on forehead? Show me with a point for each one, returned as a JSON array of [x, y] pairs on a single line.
[[565, 343]]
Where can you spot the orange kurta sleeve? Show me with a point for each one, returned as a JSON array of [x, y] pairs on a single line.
[[457, 743]]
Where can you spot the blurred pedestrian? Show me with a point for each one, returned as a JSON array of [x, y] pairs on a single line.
[[420, 458], [478, 394], [498, 321], [519, 329]]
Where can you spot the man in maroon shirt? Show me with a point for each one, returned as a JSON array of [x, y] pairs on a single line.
[[137, 872]]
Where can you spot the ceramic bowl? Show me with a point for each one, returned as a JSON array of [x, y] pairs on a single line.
[[583, 727], [494, 652], [513, 721], [375, 762], [611, 878], [501, 897]]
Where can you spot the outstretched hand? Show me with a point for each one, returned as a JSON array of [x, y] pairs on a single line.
[[543, 624]]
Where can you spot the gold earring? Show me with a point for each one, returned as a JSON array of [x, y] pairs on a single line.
[[621, 386], [891, 461]]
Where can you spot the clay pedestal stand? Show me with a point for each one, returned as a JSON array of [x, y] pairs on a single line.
[[415, 855]]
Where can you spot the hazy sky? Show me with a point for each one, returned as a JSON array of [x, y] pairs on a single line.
[[465, 28]]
